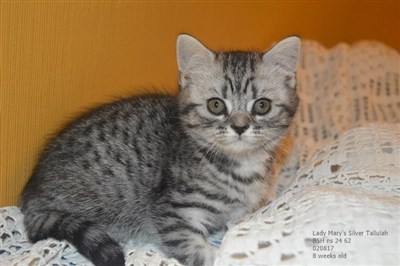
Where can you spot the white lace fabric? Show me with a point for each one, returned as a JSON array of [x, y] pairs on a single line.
[[343, 187], [341, 173]]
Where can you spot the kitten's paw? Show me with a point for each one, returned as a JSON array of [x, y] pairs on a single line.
[[203, 256], [210, 254]]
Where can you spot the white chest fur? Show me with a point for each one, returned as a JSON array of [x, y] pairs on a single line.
[[251, 165]]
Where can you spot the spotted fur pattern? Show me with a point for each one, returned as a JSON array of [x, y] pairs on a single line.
[[163, 169]]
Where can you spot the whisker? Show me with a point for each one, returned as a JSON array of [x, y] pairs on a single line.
[[201, 161]]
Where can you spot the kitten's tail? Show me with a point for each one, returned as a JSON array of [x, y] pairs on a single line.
[[90, 239]]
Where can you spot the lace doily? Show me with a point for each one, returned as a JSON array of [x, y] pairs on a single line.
[[15, 248], [352, 184], [341, 173]]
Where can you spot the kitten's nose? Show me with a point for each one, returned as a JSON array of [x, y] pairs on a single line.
[[240, 129], [240, 122]]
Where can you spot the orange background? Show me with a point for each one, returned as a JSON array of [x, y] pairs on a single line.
[[60, 57]]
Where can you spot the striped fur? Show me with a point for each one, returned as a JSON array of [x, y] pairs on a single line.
[[163, 169]]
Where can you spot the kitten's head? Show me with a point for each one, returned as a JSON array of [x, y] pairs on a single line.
[[238, 101]]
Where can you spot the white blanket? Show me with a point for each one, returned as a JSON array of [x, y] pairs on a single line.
[[338, 185]]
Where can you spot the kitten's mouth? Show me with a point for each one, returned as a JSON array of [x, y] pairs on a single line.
[[239, 144], [236, 144], [239, 139]]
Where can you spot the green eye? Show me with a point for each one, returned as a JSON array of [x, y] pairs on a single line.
[[262, 106], [216, 106]]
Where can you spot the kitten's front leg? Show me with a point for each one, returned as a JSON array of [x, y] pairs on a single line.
[[189, 246]]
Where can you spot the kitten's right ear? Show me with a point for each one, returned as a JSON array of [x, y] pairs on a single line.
[[191, 53], [284, 54]]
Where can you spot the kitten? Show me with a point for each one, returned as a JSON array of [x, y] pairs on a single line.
[[163, 169]]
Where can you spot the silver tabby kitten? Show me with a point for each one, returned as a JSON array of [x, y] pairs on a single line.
[[168, 170]]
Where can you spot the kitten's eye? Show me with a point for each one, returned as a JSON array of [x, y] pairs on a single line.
[[262, 106], [216, 106]]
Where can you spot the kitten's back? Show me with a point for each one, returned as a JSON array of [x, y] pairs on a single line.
[[106, 162]]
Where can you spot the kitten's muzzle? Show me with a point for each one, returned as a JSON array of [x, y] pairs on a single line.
[[240, 122]]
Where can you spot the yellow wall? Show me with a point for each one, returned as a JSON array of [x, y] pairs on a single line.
[[59, 58]]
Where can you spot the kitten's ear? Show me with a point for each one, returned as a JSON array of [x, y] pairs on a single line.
[[191, 53], [284, 54]]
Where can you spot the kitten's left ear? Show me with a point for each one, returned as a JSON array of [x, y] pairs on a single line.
[[284, 54]]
